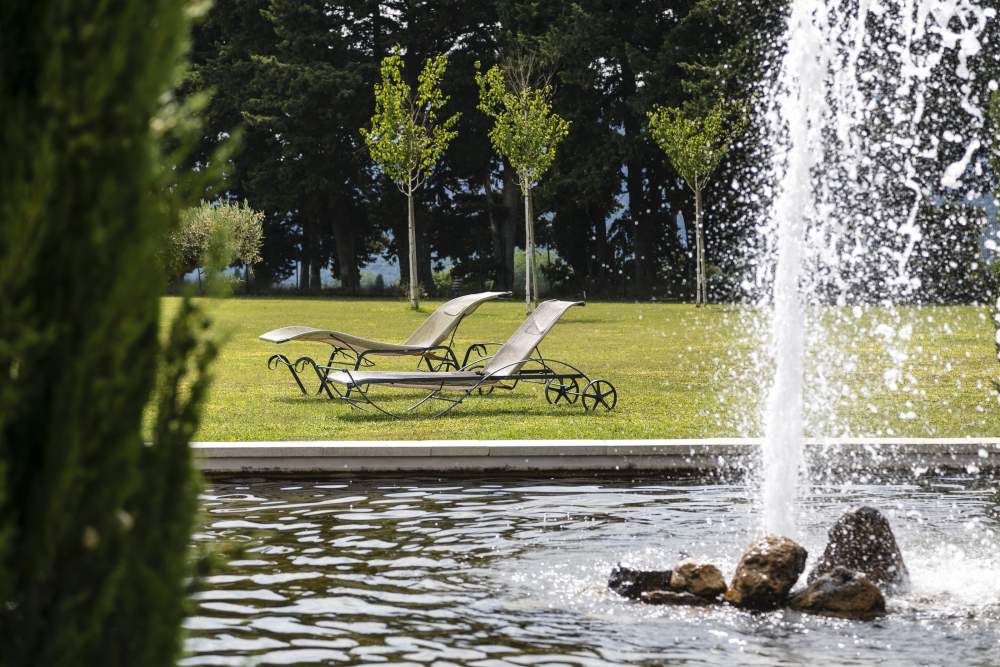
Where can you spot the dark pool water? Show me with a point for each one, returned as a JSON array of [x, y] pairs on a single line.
[[512, 572]]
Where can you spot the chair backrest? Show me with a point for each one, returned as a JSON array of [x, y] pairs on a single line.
[[446, 318], [518, 348]]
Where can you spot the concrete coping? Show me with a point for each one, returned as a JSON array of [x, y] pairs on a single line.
[[971, 455]]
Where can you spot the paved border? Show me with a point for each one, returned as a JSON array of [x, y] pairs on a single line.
[[914, 455]]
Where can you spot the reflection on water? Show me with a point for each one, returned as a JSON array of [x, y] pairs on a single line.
[[513, 572]]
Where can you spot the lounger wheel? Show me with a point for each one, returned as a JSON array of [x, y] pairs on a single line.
[[485, 391], [599, 394], [562, 389]]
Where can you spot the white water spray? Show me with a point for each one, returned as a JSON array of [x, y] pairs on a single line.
[[856, 154], [803, 105]]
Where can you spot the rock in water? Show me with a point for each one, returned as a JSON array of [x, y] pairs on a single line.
[[632, 584], [766, 572], [700, 579], [862, 541], [841, 593]]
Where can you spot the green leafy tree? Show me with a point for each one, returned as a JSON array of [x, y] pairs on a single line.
[[405, 138], [527, 132], [696, 146], [95, 519]]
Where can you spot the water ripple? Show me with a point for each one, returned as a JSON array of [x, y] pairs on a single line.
[[513, 572]]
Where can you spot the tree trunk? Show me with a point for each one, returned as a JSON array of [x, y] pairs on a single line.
[[509, 195], [412, 250], [501, 277], [309, 277], [599, 259], [347, 261], [529, 248], [530, 216], [702, 283], [643, 232], [425, 272], [315, 278]]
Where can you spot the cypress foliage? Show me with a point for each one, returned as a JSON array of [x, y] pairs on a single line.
[[94, 525]]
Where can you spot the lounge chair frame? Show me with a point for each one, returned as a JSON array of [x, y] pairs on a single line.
[[562, 382], [434, 357], [517, 364], [357, 360]]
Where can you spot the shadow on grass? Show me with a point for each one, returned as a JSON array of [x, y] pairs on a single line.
[[463, 412]]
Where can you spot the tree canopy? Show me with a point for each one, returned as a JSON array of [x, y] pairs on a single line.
[[405, 139], [298, 79], [696, 145], [525, 129]]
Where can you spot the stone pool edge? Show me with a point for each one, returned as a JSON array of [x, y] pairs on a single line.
[[912, 455]]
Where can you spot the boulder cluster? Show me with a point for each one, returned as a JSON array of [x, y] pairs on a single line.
[[861, 560]]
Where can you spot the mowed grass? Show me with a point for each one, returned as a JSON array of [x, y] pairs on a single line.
[[679, 371]]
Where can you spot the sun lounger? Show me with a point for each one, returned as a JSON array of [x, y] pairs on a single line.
[[427, 342], [517, 360]]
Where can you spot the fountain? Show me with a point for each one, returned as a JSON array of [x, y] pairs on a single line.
[[858, 148]]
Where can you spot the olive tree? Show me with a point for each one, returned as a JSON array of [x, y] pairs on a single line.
[[525, 131], [405, 138], [217, 234], [696, 146]]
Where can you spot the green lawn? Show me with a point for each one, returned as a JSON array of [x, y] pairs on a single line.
[[680, 372]]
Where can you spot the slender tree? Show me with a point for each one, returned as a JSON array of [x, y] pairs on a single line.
[[696, 146], [405, 137], [95, 516], [995, 160], [527, 132]]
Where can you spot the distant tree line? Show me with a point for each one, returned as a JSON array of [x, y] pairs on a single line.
[[297, 80]]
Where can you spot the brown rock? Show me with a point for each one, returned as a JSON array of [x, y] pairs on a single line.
[[631, 583], [766, 572], [862, 541], [680, 598], [843, 594], [700, 579]]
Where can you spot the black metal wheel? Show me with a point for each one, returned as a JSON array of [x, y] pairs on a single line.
[[485, 391], [599, 394], [561, 389]]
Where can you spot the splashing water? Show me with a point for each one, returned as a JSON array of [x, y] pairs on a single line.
[[873, 115]]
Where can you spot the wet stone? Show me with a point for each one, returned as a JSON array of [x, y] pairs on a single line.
[[862, 541], [632, 584], [766, 573], [700, 579], [841, 593]]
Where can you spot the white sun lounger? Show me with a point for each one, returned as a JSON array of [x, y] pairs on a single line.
[[517, 360], [426, 342]]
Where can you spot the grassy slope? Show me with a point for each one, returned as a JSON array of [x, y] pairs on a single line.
[[680, 372]]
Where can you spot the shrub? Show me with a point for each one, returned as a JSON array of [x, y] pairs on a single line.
[[216, 234]]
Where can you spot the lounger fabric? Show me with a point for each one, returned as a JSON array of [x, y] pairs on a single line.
[[431, 332], [439, 324], [408, 379], [512, 355]]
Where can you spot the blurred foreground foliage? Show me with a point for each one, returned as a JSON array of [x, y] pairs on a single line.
[[95, 523]]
